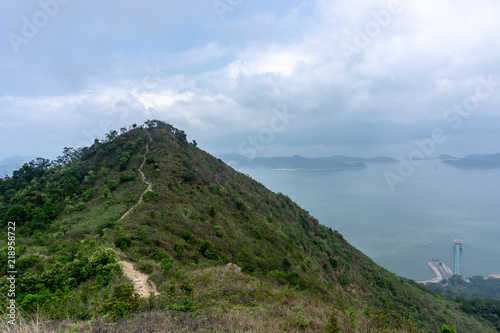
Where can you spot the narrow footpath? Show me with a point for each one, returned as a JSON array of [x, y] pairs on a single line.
[[139, 280], [143, 178]]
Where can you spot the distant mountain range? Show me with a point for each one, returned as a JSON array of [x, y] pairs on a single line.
[[303, 163], [473, 161], [10, 164]]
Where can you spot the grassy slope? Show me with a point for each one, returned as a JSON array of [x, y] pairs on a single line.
[[296, 272]]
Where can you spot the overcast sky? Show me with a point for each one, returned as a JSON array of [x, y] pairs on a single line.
[[225, 70]]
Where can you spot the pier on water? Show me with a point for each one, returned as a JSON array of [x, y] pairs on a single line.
[[442, 271]]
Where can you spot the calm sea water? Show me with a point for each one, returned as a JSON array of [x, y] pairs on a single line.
[[404, 229]]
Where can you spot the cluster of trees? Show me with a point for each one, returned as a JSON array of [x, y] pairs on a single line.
[[179, 134], [42, 284], [477, 296], [474, 287], [36, 193], [487, 309]]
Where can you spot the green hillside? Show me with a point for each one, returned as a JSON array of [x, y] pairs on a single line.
[[198, 216]]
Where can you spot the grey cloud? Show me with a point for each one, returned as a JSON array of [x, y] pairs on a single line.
[[216, 79]]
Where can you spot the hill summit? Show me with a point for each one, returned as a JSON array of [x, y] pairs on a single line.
[[221, 252]]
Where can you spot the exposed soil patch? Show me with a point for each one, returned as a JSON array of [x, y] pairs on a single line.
[[139, 280]]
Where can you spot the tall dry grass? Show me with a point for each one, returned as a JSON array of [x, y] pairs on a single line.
[[227, 301]]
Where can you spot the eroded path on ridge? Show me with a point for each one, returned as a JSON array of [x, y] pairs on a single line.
[[139, 280], [150, 186]]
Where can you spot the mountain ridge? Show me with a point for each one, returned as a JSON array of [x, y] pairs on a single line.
[[201, 215]]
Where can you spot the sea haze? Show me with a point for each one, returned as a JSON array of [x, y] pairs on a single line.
[[403, 229]]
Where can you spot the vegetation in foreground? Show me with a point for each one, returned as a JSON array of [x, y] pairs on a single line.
[[297, 275], [221, 299]]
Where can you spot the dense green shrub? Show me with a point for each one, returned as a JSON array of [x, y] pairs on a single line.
[[103, 263], [292, 278], [106, 193], [286, 264], [208, 250], [167, 264], [32, 302], [344, 279], [186, 287], [17, 213], [123, 243], [38, 226], [89, 194], [447, 329], [145, 267], [240, 205], [211, 211], [150, 196], [179, 250], [80, 206], [303, 284], [186, 235], [186, 305], [190, 177], [112, 184], [334, 263], [218, 232], [123, 301], [126, 178]]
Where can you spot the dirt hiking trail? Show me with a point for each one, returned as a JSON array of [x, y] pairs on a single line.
[[143, 178], [139, 280]]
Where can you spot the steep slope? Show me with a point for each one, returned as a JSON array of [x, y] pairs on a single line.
[[199, 215]]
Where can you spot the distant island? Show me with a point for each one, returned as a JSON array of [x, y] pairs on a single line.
[[473, 161], [297, 162], [9, 164]]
